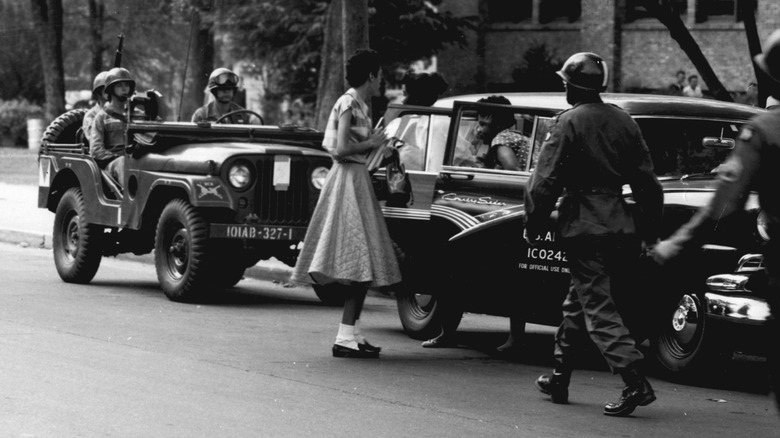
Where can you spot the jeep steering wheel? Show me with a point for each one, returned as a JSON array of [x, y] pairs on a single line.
[[241, 111]]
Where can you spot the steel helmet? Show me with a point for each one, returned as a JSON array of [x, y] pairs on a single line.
[[222, 78], [769, 60], [100, 81], [585, 70], [116, 75]]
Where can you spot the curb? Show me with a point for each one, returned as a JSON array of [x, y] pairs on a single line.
[[264, 270]]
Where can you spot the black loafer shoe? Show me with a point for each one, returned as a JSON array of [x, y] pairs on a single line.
[[556, 386], [368, 348], [342, 351]]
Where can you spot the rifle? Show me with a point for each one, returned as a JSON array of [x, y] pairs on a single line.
[[118, 54]]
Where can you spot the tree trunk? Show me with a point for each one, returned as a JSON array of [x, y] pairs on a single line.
[[95, 19], [748, 13], [47, 19], [200, 65], [664, 13], [354, 21], [331, 78]]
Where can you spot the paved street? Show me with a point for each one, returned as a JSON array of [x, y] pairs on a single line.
[[116, 358]]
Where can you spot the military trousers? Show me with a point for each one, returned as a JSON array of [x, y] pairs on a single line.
[[598, 265]]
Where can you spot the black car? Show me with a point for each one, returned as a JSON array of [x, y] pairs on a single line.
[[461, 234]]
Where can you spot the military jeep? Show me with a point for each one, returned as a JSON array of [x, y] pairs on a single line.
[[208, 199]]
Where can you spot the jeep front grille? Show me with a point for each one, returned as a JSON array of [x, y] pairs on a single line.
[[284, 207]]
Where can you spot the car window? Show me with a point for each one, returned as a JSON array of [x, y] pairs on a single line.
[[507, 148], [677, 146], [413, 130]]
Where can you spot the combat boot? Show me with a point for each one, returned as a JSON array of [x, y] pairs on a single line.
[[637, 392], [555, 385]]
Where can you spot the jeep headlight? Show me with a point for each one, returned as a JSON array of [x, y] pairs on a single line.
[[240, 175], [318, 176]]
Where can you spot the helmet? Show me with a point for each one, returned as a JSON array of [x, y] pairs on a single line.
[[100, 81], [116, 75], [222, 78], [585, 70], [769, 60]]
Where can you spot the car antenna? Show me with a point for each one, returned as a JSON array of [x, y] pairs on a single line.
[[186, 63]]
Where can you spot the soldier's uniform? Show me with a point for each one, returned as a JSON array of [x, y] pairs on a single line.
[[591, 151], [753, 165]]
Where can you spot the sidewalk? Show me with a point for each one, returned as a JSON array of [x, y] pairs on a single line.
[[23, 223]]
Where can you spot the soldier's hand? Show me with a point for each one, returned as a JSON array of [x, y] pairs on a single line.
[[664, 251]]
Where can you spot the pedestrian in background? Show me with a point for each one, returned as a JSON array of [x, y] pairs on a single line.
[[752, 165], [676, 87], [591, 151], [347, 242], [693, 89]]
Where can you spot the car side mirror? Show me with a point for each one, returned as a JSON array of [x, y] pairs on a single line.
[[718, 143]]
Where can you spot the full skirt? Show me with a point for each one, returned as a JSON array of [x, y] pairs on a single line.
[[347, 240]]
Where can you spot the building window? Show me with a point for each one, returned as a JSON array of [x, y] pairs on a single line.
[[550, 10], [636, 11], [509, 11], [717, 9]]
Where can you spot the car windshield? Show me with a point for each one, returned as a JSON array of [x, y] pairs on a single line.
[[677, 145]]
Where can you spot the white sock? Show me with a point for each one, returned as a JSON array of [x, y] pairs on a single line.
[[358, 336], [346, 336]]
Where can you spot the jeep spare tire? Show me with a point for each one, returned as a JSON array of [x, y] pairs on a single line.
[[64, 129]]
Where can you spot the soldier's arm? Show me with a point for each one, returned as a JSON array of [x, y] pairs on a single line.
[[97, 147], [545, 185], [647, 193], [735, 177]]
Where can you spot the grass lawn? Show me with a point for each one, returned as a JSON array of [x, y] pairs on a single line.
[[18, 165]]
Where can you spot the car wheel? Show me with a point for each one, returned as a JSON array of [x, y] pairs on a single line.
[[76, 243], [330, 294], [686, 345], [423, 317], [181, 252]]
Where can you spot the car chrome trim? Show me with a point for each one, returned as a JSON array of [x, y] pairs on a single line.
[[489, 223], [406, 213], [741, 307], [460, 219]]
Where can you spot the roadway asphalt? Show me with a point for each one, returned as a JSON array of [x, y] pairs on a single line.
[[23, 223]]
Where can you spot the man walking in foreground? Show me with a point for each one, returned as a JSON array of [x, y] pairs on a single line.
[[591, 151]]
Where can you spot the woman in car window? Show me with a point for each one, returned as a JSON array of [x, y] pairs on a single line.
[[499, 146]]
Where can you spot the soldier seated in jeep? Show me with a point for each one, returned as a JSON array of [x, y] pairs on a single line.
[[107, 132]]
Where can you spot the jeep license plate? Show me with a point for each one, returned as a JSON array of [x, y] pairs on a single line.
[[257, 232]]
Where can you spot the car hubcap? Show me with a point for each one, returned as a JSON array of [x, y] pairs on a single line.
[[178, 253], [71, 237], [685, 325]]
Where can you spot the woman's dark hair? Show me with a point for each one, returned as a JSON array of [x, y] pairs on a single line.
[[360, 65], [502, 118], [423, 89]]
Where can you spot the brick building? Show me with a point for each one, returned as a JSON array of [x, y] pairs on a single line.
[[638, 48]]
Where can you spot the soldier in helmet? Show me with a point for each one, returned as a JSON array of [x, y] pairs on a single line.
[[98, 86], [751, 166], [107, 133], [223, 84], [591, 151]]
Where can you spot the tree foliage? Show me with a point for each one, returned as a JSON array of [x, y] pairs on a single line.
[[288, 34]]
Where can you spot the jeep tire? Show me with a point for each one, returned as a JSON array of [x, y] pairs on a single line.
[[75, 242], [181, 255]]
